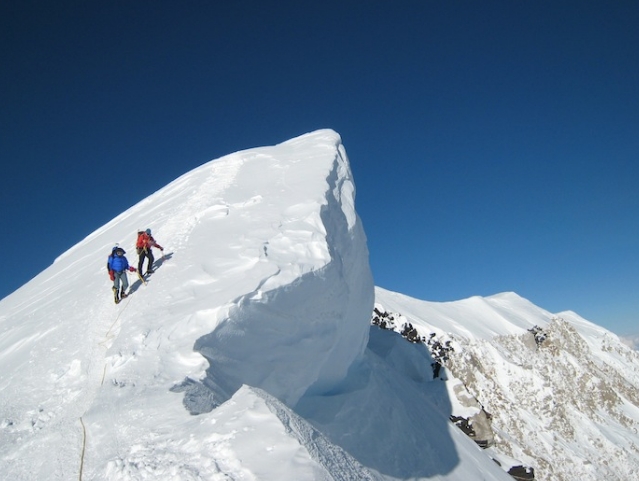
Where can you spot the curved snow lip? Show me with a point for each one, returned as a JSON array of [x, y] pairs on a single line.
[[270, 279], [303, 326], [303, 337]]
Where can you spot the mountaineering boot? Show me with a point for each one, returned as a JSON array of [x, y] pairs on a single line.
[[115, 295], [123, 294]]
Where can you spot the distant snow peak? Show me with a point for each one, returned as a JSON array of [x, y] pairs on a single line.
[[560, 394], [467, 413]]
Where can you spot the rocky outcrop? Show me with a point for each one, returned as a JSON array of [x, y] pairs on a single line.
[[522, 473], [477, 426]]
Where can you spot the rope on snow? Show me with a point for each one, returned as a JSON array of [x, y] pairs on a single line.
[[84, 430], [84, 444]]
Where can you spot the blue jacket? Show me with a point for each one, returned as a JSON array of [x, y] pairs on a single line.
[[117, 263]]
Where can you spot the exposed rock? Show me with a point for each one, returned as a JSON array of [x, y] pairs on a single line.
[[522, 473], [539, 335]]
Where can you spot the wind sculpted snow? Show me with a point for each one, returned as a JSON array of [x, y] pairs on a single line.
[[248, 355], [306, 322]]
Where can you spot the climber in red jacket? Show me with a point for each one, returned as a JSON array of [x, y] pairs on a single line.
[[143, 246]]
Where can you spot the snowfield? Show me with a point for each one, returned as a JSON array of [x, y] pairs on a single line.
[[250, 353]]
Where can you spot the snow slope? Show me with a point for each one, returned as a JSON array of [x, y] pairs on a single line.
[[564, 401], [249, 354]]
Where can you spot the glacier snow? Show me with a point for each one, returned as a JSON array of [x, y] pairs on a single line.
[[250, 354]]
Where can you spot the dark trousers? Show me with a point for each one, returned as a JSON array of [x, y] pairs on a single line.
[[145, 254]]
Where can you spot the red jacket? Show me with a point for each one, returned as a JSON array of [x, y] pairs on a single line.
[[145, 242]]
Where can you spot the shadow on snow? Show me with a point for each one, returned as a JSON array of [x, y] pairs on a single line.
[[388, 397]]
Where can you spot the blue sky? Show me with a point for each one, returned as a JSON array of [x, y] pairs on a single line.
[[494, 144]]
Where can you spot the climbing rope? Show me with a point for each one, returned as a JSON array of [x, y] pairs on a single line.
[[103, 344], [108, 338], [84, 444]]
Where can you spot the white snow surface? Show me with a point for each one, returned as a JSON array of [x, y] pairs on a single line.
[[567, 406], [249, 354]]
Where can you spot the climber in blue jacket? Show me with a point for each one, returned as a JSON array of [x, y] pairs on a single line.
[[117, 265]]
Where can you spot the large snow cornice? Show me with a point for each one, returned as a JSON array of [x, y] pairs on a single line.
[[264, 297], [300, 329], [266, 274]]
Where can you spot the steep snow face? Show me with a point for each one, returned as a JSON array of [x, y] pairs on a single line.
[[301, 328], [393, 417], [264, 281], [247, 355], [561, 392]]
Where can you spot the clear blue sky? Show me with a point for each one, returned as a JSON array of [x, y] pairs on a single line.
[[494, 144]]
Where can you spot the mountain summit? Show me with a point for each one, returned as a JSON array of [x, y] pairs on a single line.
[[250, 352]]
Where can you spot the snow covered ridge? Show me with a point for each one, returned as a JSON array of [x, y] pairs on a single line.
[[267, 284], [552, 392], [631, 341], [250, 355]]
